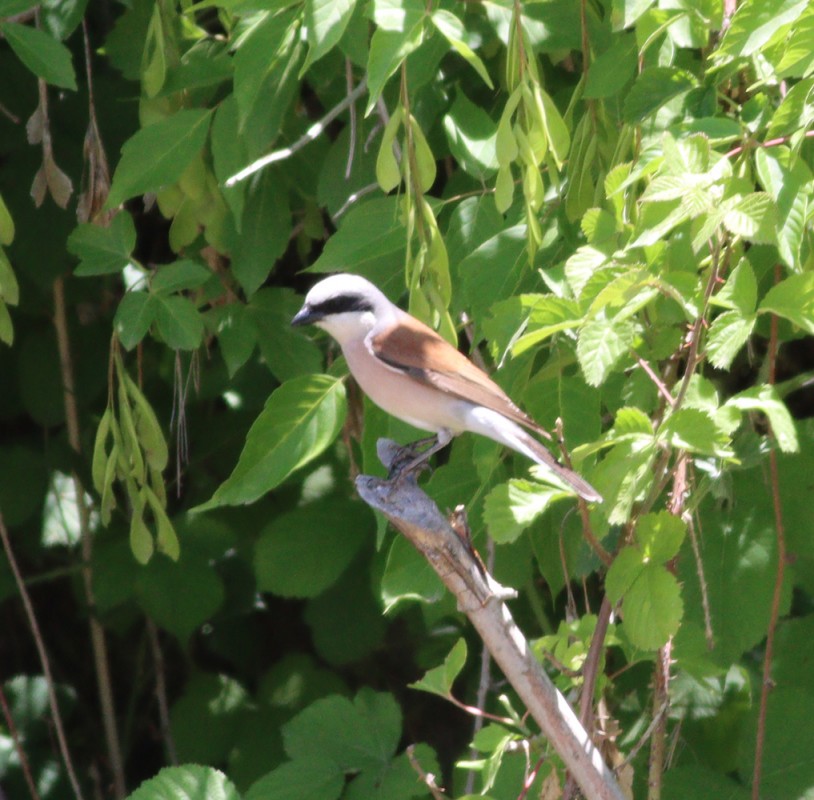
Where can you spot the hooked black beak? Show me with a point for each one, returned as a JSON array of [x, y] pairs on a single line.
[[305, 316]]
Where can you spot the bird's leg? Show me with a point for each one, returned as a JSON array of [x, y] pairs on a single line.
[[411, 457]]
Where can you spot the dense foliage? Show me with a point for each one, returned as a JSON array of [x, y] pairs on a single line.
[[606, 202]]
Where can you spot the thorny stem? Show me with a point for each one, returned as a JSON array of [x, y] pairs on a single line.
[[97, 635], [44, 662], [780, 532]]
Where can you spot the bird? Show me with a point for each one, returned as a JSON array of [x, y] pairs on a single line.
[[412, 373]]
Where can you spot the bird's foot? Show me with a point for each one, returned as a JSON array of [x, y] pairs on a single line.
[[412, 459]]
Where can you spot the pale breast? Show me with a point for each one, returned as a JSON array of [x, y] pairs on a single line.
[[403, 397]]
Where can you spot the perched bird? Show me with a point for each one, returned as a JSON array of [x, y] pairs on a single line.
[[408, 370]]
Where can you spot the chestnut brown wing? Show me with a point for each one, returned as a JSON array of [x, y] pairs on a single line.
[[418, 351]]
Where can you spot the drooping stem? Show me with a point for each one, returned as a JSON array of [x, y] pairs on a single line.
[[97, 634], [59, 728], [780, 535]]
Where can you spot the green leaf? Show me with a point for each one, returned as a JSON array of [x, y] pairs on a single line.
[[397, 15], [754, 217], [754, 23], [134, 316], [299, 421], [612, 69], [190, 782], [452, 29], [740, 290], [360, 735], [511, 507], [793, 299], [157, 155], [439, 680], [652, 89], [9, 288], [325, 22], [408, 577], [266, 68], [237, 336], [103, 250], [653, 608], [602, 343], [660, 536], [696, 431], [623, 573], [179, 596], [6, 224], [471, 136], [320, 538], [41, 53], [265, 230], [178, 322], [179, 276], [286, 351], [387, 50], [312, 779], [369, 242], [795, 112], [765, 399], [728, 333]]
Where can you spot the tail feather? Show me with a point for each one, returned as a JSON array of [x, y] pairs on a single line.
[[496, 426]]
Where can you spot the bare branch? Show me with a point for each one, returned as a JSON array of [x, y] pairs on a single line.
[[478, 595], [312, 133]]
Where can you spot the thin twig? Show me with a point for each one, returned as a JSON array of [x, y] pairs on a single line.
[[659, 383], [18, 746], [354, 198], [353, 119], [97, 634], [751, 145], [161, 693], [45, 664], [780, 533], [532, 776], [312, 133], [699, 566], [485, 678], [634, 751], [427, 778], [590, 669]]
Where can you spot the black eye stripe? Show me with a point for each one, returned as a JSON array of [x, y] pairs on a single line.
[[342, 303]]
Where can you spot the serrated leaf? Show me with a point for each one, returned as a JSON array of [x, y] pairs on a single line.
[[653, 608], [696, 431], [754, 218], [103, 250], [511, 507], [740, 290], [190, 782], [659, 536], [311, 779], [439, 680], [728, 333], [623, 572], [632, 421], [299, 421], [765, 399], [602, 342], [452, 29], [754, 23], [156, 156], [41, 53], [793, 299]]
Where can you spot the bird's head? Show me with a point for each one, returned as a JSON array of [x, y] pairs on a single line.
[[346, 306]]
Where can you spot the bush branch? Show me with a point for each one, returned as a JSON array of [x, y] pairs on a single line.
[[413, 513]]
